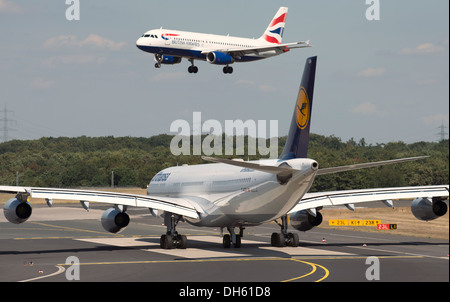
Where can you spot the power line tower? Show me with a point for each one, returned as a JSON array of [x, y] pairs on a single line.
[[442, 133], [6, 122]]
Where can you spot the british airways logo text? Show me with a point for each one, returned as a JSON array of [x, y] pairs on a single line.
[[165, 36]]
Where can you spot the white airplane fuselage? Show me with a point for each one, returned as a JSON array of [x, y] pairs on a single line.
[[235, 196], [198, 45]]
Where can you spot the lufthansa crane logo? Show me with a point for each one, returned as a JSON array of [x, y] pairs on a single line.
[[302, 109]]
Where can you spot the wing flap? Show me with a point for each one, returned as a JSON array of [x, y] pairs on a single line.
[[336, 198]]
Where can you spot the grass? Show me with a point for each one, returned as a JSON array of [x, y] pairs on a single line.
[[407, 224]]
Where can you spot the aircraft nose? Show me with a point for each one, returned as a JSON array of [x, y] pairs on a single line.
[[140, 43]]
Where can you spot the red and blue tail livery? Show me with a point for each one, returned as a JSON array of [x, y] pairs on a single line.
[[274, 33], [170, 46]]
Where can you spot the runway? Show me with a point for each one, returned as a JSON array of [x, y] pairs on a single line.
[[38, 250]]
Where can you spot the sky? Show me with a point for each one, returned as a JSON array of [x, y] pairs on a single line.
[[382, 80]]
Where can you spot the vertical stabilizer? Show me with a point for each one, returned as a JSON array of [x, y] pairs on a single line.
[[274, 32], [298, 137]]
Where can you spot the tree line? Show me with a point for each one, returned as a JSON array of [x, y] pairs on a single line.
[[91, 161]]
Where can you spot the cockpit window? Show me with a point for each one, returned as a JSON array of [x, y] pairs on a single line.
[[146, 36]]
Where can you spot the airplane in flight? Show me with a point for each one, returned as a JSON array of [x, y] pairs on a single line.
[[170, 46], [235, 194]]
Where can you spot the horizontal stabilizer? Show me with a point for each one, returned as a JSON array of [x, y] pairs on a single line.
[[366, 165], [269, 169]]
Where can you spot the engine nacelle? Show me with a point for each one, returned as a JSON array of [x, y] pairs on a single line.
[[115, 221], [426, 209], [304, 221], [169, 60], [219, 58], [17, 211]]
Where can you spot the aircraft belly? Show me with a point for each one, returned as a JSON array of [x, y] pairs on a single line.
[[180, 52], [259, 204]]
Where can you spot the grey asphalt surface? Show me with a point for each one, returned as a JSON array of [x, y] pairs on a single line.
[[37, 251]]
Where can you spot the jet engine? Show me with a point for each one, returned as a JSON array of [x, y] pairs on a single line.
[[17, 211], [304, 221], [426, 209], [115, 221], [169, 60], [219, 58]]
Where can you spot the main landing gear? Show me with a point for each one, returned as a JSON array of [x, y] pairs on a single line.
[[233, 238], [172, 239], [228, 69], [284, 238], [192, 68]]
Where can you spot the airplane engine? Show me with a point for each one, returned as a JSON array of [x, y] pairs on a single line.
[[115, 221], [219, 58], [169, 60], [426, 209], [17, 211], [304, 221]]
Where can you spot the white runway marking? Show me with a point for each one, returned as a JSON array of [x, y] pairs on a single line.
[[253, 248]]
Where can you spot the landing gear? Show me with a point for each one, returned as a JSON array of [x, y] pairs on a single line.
[[284, 238], [158, 59], [172, 239], [192, 68], [168, 242], [233, 238], [228, 69]]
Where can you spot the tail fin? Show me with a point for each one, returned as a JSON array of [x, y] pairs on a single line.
[[298, 137], [274, 32]]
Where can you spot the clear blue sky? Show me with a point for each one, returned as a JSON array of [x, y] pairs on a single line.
[[385, 80]]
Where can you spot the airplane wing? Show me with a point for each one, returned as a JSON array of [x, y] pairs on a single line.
[[239, 52], [178, 206], [351, 197]]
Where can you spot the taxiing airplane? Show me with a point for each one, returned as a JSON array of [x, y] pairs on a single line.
[[170, 46], [238, 194]]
